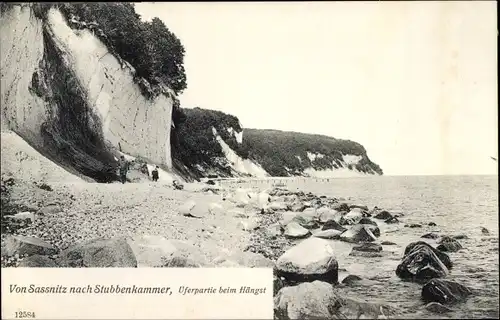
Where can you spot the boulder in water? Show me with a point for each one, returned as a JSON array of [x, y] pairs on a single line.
[[358, 233], [451, 245], [484, 230], [388, 243], [421, 263], [445, 259], [430, 235], [99, 253], [383, 215], [413, 225], [24, 245], [296, 231], [350, 279], [444, 291], [460, 236], [431, 224], [312, 259]]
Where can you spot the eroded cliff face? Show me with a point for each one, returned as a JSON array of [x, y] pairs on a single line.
[[64, 93]]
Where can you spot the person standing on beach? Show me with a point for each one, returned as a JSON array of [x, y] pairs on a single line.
[[124, 166], [154, 174]]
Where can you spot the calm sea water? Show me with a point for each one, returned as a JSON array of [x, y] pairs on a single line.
[[457, 204]]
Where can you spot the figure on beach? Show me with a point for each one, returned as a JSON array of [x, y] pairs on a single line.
[[154, 174], [124, 165]]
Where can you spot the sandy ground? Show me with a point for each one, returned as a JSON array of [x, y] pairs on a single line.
[[91, 210], [133, 209]]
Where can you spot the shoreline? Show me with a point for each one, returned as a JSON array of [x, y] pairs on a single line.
[[214, 226]]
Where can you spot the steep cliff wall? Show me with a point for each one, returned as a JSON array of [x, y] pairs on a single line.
[[65, 94]]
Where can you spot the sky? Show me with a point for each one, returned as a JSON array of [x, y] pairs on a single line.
[[414, 82]]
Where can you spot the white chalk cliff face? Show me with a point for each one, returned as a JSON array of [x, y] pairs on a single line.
[[237, 164], [64, 93]]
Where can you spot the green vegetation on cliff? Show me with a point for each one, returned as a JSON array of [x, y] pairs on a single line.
[[150, 47], [277, 150], [193, 142], [194, 145]]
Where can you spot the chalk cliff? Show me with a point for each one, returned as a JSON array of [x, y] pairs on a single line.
[[65, 94], [208, 142]]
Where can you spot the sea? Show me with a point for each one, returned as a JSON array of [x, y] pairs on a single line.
[[456, 204]]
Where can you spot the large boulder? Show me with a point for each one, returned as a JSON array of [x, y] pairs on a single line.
[[420, 263], [325, 214], [355, 215], [312, 259], [341, 207], [383, 215], [445, 259], [444, 291], [37, 261], [99, 253], [451, 245], [333, 224], [305, 222], [367, 221], [358, 233], [27, 246], [296, 231], [310, 300]]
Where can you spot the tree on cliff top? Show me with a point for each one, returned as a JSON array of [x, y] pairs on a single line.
[[150, 47]]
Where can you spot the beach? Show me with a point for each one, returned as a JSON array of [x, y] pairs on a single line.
[[253, 223]]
